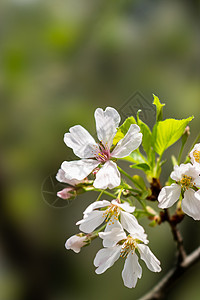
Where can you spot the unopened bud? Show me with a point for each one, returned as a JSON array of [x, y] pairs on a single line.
[[151, 211], [187, 130], [76, 242], [67, 193]]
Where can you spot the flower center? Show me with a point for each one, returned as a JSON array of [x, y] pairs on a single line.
[[129, 245], [102, 153], [196, 155], [112, 210], [186, 182]]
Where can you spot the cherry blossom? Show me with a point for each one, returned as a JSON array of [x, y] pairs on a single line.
[[100, 154], [187, 180], [112, 211], [195, 155], [126, 247]]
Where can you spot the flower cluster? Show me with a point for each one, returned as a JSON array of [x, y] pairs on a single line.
[[118, 218], [116, 221], [123, 236], [187, 182], [126, 246]]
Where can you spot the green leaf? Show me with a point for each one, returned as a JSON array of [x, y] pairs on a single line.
[[159, 108], [123, 129], [167, 132], [146, 138], [135, 157], [144, 167]]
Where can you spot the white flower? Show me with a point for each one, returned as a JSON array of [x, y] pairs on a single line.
[[186, 177], [93, 154], [76, 242], [195, 155], [93, 217], [126, 247]]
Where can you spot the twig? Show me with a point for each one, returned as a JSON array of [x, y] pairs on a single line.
[[161, 289], [179, 240], [173, 221]]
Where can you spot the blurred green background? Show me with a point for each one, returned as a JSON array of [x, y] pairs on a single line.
[[59, 61]]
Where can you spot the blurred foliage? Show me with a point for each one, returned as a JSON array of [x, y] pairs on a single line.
[[59, 61]]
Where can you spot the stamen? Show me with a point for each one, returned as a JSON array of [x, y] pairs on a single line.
[[112, 210], [129, 246], [196, 155], [186, 182], [102, 152]]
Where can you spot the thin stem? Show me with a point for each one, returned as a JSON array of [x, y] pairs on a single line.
[[180, 153], [177, 237], [127, 175], [179, 240], [142, 203], [106, 193], [99, 196], [95, 233], [158, 166], [119, 195]]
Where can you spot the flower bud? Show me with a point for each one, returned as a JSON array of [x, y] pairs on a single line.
[[76, 242], [67, 193]]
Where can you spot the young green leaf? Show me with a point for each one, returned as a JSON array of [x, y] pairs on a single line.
[[167, 132], [135, 157], [144, 167], [159, 108]]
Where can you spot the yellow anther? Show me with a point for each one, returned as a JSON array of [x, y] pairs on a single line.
[[186, 181], [196, 155]]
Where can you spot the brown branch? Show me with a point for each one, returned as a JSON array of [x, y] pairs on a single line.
[[179, 240], [173, 221], [160, 290]]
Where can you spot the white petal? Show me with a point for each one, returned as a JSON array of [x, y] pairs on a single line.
[[105, 258], [153, 264], [79, 169], [140, 236], [113, 234], [95, 205], [179, 171], [129, 143], [197, 181], [75, 243], [193, 172], [169, 195], [130, 223], [132, 270], [81, 142], [61, 177], [108, 176], [91, 222], [125, 206], [106, 124], [191, 204]]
